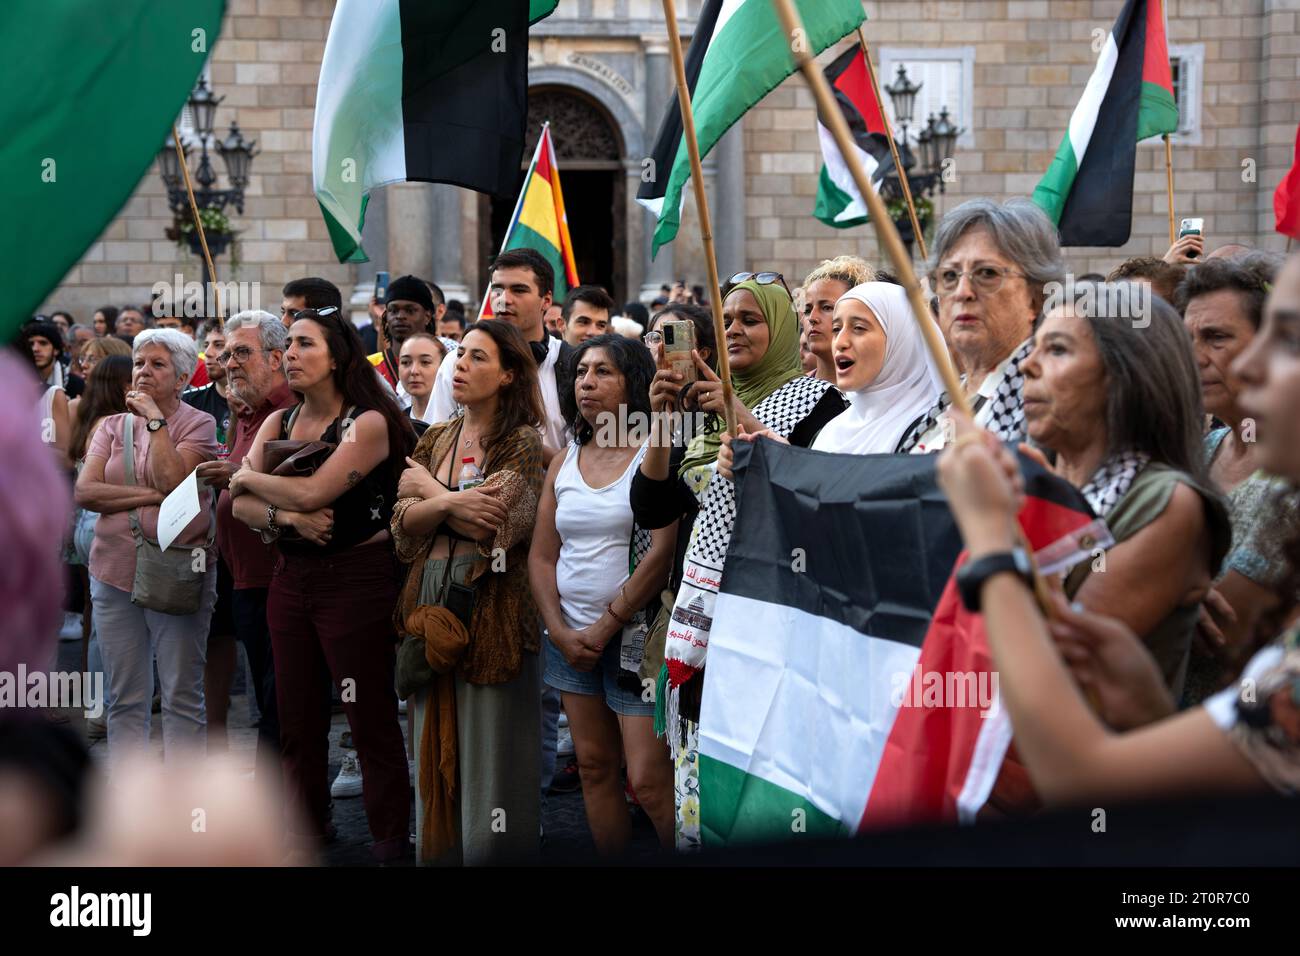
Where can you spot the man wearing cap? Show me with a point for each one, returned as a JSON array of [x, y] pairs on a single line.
[[407, 309]]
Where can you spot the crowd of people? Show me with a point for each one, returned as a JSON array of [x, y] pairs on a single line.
[[428, 519]]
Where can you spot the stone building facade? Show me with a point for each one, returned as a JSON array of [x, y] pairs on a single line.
[[1011, 71]]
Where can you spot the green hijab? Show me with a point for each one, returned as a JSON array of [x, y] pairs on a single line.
[[779, 364]]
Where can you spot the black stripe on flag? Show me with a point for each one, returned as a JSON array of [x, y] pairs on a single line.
[[464, 103], [865, 540], [669, 140], [874, 144], [1099, 209]]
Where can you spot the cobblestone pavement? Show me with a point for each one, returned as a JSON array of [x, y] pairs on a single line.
[[564, 822]]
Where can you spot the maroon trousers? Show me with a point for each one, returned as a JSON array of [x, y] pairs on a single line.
[[333, 614]]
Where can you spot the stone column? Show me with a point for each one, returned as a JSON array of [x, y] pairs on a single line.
[[374, 239], [727, 203], [411, 229], [660, 90], [445, 238]]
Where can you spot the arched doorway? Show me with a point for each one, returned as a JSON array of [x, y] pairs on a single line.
[[590, 154]]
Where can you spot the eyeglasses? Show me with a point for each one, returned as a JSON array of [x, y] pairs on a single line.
[[241, 354], [323, 313], [985, 280], [762, 278]]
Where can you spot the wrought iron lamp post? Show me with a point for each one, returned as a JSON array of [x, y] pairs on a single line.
[[935, 142], [237, 154]]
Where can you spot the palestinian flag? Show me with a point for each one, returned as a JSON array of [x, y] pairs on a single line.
[[1286, 201], [414, 91], [739, 54], [539, 221], [839, 203], [846, 684], [1088, 189], [82, 123]]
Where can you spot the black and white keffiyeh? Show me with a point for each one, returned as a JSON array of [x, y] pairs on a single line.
[[1003, 412], [1112, 481], [687, 639]]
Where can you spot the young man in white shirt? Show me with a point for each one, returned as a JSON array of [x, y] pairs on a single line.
[[520, 290]]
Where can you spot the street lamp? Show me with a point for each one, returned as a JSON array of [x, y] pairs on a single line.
[[935, 143], [237, 154]]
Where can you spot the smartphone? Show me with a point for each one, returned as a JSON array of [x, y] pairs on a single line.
[[679, 340], [1191, 227], [381, 286]]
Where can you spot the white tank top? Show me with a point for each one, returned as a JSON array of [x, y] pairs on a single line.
[[595, 528]]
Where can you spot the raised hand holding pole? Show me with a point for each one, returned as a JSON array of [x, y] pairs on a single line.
[[702, 207]]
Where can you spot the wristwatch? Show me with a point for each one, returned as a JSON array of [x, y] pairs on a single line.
[[972, 575], [157, 423]]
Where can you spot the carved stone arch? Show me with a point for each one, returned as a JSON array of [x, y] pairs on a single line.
[[626, 122], [585, 135]]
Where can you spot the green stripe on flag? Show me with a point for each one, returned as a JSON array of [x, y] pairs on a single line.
[[1157, 112], [831, 201], [1054, 188], [91, 91], [740, 808], [525, 237], [746, 59]]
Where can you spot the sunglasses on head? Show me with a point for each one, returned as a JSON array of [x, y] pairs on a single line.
[[762, 278], [323, 313]]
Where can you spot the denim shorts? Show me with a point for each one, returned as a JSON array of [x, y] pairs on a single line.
[[600, 681]]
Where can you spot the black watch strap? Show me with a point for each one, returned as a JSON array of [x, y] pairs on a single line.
[[972, 575]]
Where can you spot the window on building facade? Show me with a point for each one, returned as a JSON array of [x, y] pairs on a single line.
[[1187, 61], [947, 78]]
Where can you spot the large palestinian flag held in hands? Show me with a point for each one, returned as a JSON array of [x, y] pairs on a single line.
[[83, 122], [739, 54], [414, 90], [1088, 189], [839, 204], [846, 685]]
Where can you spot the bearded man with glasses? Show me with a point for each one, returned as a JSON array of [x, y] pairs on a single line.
[[253, 359], [991, 265]]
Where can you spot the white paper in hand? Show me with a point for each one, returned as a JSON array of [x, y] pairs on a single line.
[[178, 510]]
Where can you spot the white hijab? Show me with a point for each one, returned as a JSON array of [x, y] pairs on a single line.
[[906, 388]]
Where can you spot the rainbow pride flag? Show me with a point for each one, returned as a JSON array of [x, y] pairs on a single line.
[[539, 221]]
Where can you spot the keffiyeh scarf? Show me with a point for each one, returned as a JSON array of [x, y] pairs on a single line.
[[1003, 413], [687, 640], [1112, 480]]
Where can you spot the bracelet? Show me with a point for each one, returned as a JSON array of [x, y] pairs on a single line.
[[610, 609]]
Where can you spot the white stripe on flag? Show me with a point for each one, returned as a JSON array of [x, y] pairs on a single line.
[[840, 175], [729, 8], [800, 701], [1084, 118], [986, 762]]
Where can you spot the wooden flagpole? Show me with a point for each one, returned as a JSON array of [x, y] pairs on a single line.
[[887, 233], [1169, 182], [198, 224], [893, 147], [702, 207]]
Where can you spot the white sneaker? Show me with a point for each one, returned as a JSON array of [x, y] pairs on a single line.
[[563, 743], [348, 782], [71, 629]]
